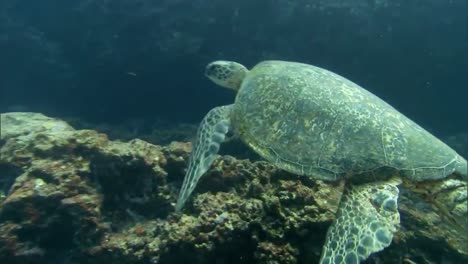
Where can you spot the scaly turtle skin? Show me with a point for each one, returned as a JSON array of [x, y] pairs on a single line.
[[310, 121]]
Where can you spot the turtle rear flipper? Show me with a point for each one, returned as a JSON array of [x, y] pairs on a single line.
[[210, 135], [366, 220]]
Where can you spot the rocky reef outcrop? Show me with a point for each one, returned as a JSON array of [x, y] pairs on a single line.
[[74, 196]]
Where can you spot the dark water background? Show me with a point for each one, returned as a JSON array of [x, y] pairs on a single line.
[[112, 61]]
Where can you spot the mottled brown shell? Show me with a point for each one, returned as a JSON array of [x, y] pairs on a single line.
[[310, 121]]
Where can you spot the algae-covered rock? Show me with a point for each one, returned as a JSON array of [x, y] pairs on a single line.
[[74, 196], [58, 181]]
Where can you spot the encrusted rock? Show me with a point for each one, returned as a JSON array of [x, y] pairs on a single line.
[[73, 196]]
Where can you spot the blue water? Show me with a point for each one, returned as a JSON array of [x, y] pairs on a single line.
[[129, 68], [116, 60]]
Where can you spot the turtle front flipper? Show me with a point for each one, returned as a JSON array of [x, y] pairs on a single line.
[[210, 135], [365, 222]]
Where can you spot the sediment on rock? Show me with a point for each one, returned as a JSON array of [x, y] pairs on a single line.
[[74, 196]]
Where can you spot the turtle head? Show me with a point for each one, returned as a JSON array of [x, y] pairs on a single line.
[[227, 74]]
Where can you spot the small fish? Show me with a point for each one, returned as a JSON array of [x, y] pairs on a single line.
[[406, 260], [221, 218], [131, 74]]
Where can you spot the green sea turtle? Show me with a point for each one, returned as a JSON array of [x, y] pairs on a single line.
[[313, 122]]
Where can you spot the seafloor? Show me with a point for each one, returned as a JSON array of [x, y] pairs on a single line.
[[74, 196]]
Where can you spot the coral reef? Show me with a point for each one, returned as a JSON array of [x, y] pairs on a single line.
[[74, 196], [158, 132]]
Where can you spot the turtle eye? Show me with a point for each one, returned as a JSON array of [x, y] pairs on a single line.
[[211, 70]]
